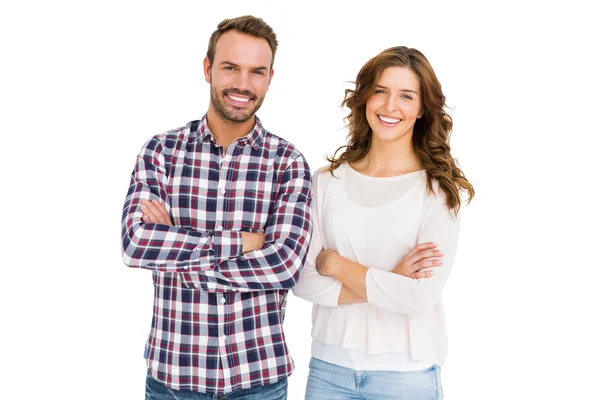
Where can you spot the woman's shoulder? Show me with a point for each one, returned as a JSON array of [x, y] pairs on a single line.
[[436, 198], [430, 189], [323, 177], [324, 174]]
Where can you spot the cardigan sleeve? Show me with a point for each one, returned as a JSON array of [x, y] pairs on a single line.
[[405, 295], [312, 286]]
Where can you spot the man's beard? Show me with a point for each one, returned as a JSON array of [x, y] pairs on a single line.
[[232, 113]]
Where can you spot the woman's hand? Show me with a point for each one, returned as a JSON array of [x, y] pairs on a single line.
[[326, 262], [417, 263]]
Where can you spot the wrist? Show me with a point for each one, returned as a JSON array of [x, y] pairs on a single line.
[[246, 242], [332, 266]]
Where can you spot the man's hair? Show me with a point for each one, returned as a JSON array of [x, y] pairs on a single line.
[[248, 25]]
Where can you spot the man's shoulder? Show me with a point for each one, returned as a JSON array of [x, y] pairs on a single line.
[[167, 143], [283, 147], [182, 134]]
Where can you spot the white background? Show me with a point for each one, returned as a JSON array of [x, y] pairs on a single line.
[[85, 84]]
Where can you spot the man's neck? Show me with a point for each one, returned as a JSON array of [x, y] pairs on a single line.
[[227, 131]]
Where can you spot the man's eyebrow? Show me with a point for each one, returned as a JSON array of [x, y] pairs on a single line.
[[235, 65], [229, 63]]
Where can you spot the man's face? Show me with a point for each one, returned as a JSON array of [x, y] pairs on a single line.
[[239, 76]]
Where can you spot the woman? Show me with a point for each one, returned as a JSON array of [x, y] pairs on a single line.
[[385, 232]]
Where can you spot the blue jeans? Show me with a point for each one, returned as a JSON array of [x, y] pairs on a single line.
[[157, 391], [332, 382]]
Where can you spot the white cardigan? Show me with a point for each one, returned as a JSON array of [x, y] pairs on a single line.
[[401, 314]]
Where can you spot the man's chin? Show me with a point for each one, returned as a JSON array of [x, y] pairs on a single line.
[[237, 118], [236, 115], [233, 114]]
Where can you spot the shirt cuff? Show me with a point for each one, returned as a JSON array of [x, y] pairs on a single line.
[[226, 245], [331, 296], [374, 293], [204, 245]]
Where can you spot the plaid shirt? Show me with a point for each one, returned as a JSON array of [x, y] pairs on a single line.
[[218, 314]]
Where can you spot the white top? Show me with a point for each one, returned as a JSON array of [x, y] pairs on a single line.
[[401, 314]]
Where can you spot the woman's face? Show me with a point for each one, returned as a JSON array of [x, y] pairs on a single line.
[[396, 104]]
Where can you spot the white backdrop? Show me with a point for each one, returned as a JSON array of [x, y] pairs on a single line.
[[85, 84]]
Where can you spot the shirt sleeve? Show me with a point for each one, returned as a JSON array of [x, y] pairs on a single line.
[[160, 247], [404, 295], [312, 286], [287, 235]]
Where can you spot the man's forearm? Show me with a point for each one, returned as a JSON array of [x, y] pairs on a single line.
[[252, 241]]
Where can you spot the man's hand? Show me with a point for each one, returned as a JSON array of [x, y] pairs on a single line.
[[252, 241], [326, 262], [155, 212], [417, 263]]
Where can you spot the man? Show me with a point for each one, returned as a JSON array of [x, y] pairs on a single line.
[[219, 210]]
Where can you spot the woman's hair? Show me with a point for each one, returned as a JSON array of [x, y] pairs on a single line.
[[248, 25], [431, 132]]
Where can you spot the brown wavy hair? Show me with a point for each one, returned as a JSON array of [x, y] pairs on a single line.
[[431, 132], [248, 25]]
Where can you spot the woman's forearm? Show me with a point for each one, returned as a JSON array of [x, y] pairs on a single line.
[[347, 296], [352, 275]]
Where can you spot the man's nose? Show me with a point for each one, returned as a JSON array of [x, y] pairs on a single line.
[[242, 81]]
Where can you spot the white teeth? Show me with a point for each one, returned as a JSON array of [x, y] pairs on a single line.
[[389, 120], [242, 99]]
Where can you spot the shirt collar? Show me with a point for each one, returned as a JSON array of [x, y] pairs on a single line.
[[254, 138]]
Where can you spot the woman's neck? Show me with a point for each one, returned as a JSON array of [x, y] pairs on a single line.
[[388, 159]]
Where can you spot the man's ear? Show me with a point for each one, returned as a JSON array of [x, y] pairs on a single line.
[[271, 76], [207, 70]]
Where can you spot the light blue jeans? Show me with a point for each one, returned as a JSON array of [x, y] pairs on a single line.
[[332, 382]]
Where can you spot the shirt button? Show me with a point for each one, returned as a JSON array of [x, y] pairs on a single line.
[[197, 285], [223, 301], [220, 228], [185, 267], [222, 338], [223, 191]]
